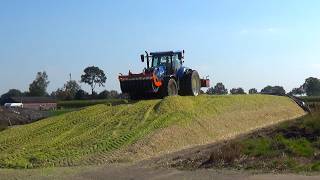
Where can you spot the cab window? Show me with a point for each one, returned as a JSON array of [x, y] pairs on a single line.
[[176, 62]]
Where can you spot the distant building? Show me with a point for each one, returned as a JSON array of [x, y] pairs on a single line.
[[36, 103], [13, 105]]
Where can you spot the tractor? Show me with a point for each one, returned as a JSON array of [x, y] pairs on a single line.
[[163, 76]]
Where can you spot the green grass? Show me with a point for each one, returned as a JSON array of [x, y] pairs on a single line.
[[95, 134], [86, 103], [258, 147], [311, 98], [275, 146], [292, 146]]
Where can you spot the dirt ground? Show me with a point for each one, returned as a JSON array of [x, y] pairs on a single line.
[[20, 116], [138, 172]]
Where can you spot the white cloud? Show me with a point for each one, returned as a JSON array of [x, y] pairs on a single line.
[[259, 30]]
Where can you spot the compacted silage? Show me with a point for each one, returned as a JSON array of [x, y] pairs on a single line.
[[103, 134]]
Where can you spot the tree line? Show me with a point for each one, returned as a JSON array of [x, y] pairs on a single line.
[[95, 77], [71, 90], [311, 87]]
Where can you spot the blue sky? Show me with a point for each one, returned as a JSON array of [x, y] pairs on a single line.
[[247, 43]]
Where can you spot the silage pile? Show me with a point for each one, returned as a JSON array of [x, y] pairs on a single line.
[[103, 134], [205, 119]]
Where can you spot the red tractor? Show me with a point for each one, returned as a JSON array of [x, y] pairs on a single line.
[[164, 75]]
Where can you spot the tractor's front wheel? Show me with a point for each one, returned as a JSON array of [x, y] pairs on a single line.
[[170, 88]]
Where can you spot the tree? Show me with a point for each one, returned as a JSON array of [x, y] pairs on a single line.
[[273, 90], [253, 91], [267, 90], [81, 94], [93, 76], [104, 94], [210, 90], [59, 93], [297, 91], [68, 91], [237, 91], [218, 89], [11, 93], [71, 88], [312, 86], [39, 86]]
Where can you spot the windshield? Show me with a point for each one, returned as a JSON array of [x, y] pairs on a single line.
[[160, 60]]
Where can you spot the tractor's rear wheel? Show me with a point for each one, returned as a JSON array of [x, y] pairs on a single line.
[[170, 88], [190, 84]]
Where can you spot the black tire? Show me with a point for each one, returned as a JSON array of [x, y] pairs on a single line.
[[170, 88], [190, 84]]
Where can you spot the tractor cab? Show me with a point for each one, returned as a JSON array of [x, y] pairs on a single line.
[[170, 60]]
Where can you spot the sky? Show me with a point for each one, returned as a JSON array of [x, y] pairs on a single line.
[[247, 43]]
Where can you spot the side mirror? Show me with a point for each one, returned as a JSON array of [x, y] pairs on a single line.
[[142, 57]]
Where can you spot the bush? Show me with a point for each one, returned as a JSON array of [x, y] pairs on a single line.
[[227, 154], [237, 91], [253, 91], [11, 93], [273, 90], [104, 95], [218, 89], [311, 98]]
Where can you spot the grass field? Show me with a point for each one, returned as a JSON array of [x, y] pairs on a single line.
[[102, 133], [85, 103]]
